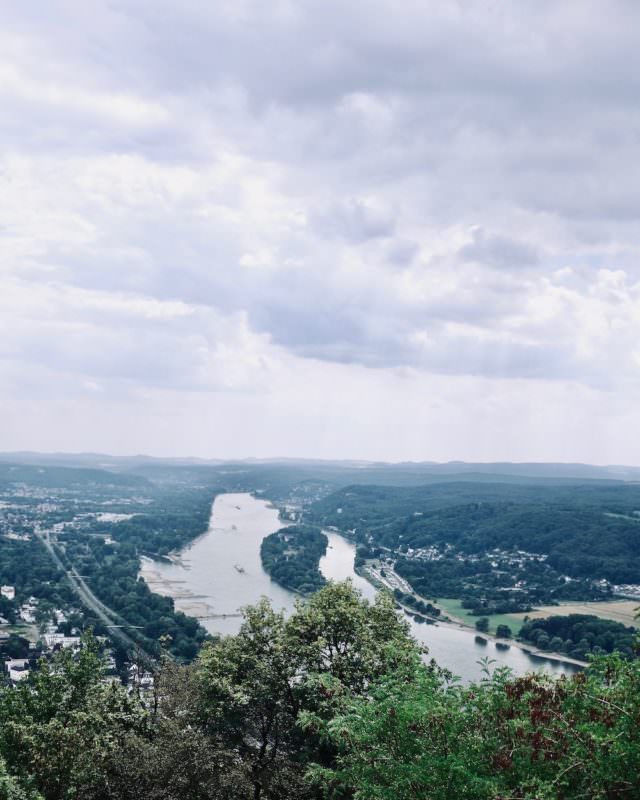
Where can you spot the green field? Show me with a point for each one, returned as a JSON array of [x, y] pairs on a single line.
[[618, 610], [454, 608]]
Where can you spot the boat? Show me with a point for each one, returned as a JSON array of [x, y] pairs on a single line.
[[238, 568]]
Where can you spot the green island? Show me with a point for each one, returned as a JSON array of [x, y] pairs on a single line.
[[292, 556]]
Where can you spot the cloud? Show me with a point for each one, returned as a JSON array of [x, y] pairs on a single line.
[[501, 252], [206, 198], [356, 219]]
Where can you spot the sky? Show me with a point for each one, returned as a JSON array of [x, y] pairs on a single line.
[[333, 229]]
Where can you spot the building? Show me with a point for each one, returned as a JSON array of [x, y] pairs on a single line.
[[60, 641], [17, 669], [9, 592]]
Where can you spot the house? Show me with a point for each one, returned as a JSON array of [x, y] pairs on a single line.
[[17, 669], [8, 592], [28, 610], [59, 640], [140, 678]]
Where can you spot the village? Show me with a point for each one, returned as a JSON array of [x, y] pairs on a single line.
[[49, 638]]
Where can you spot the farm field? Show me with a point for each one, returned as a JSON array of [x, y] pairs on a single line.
[[623, 611]]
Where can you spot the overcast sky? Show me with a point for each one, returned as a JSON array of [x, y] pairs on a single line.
[[314, 228]]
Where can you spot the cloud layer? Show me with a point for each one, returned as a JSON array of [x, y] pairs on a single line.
[[225, 207]]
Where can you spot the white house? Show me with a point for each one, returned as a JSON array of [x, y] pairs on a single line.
[[18, 669], [53, 639]]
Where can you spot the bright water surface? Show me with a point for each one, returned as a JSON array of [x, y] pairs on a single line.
[[222, 569]]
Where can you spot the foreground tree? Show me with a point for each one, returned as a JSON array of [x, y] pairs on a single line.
[[256, 687], [334, 702], [530, 738], [59, 729]]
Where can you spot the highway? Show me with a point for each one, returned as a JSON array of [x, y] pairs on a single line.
[[106, 615]]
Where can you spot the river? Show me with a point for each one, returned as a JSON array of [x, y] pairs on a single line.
[[221, 571]]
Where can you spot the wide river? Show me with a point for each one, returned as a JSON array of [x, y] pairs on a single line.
[[221, 571]]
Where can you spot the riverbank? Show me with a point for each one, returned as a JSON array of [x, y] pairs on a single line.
[[391, 581], [206, 582], [220, 572], [500, 641], [184, 599]]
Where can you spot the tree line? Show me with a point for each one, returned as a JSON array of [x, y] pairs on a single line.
[[580, 635]]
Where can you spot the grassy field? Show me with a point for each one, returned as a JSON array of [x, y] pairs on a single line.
[[454, 608], [619, 610]]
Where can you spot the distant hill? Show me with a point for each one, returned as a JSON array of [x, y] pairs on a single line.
[[49, 476], [373, 471]]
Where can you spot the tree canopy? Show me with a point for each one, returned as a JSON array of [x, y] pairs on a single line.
[[334, 702]]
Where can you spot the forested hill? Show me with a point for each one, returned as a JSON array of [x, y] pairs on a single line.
[[54, 476], [587, 530], [305, 480]]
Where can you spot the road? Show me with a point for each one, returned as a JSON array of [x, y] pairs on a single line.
[[105, 614]]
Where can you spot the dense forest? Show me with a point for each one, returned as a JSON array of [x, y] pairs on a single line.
[[292, 556], [580, 635], [334, 702], [588, 531]]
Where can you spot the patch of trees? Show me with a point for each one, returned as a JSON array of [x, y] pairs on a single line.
[[497, 605], [580, 635], [27, 566], [292, 556], [427, 609], [333, 702]]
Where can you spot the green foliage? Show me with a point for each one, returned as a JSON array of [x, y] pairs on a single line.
[[292, 555], [503, 631], [588, 530], [531, 738], [334, 702], [58, 729], [259, 685], [580, 635], [10, 788], [482, 624]]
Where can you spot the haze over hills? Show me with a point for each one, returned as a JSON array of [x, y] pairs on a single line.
[[503, 470]]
